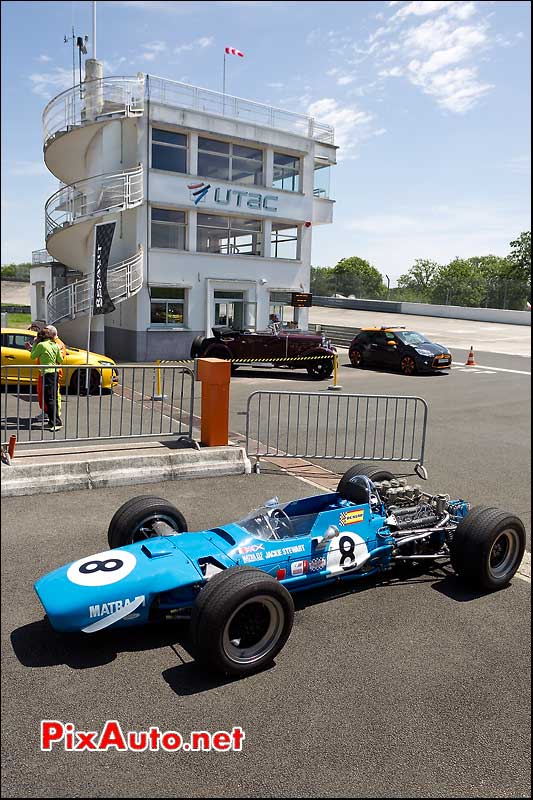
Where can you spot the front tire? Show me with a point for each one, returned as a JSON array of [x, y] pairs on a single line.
[[320, 370], [78, 382], [241, 620], [134, 520], [487, 548]]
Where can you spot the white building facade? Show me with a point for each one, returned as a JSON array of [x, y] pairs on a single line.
[[215, 199]]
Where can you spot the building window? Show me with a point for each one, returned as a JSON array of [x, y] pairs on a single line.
[[225, 161], [321, 179], [228, 235], [286, 172], [167, 306], [169, 150], [284, 240], [280, 309], [233, 310], [169, 229]]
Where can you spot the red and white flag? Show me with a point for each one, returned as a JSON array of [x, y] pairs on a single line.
[[232, 51]]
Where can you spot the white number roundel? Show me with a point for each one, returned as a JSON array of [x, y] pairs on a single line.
[[346, 552], [101, 569]]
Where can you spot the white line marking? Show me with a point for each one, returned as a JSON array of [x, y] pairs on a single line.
[[524, 570], [495, 369]]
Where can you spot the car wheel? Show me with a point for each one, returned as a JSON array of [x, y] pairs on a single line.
[[196, 346], [78, 385], [408, 365], [241, 620], [134, 520], [487, 547], [351, 491], [356, 358], [321, 369]]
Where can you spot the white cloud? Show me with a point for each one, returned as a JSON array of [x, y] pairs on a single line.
[[48, 84], [44, 59], [422, 8], [201, 43], [152, 50], [276, 85], [351, 124], [344, 80]]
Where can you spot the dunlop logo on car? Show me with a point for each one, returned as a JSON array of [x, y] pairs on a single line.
[[351, 517]]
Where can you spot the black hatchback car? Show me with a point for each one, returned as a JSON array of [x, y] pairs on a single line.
[[398, 348]]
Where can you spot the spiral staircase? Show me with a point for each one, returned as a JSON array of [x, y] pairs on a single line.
[[71, 121]]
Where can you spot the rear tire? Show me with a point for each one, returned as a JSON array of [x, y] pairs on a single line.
[[197, 346], [487, 547], [241, 620], [133, 521], [350, 491], [356, 358]]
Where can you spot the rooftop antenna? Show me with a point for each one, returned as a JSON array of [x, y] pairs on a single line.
[[81, 43], [72, 39]]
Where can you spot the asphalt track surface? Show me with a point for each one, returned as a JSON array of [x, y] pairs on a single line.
[[407, 687]]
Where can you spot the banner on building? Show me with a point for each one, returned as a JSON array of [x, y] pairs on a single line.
[[102, 303]]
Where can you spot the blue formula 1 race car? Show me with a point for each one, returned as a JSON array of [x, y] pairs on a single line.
[[234, 582]]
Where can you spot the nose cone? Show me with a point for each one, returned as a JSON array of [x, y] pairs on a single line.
[[103, 585]]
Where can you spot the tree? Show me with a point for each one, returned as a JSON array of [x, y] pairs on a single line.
[[520, 258], [460, 283], [321, 281], [356, 276], [419, 278]]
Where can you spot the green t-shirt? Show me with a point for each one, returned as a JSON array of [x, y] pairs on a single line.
[[47, 352]]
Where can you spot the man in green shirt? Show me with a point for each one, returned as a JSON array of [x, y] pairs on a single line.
[[49, 355]]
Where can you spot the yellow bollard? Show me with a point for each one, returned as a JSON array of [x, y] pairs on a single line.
[[157, 395], [335, 386]]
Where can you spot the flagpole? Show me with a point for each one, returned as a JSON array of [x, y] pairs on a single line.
[[224, 85]]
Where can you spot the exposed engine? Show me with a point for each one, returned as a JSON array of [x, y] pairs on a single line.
[[409, 507]]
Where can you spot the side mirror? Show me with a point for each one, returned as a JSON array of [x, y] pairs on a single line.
[[391, 343], [331, 533]]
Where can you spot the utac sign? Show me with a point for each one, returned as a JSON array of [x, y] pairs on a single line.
[[232, 198], [301, 299]]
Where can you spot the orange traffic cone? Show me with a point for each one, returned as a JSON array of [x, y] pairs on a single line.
[[470, 362]]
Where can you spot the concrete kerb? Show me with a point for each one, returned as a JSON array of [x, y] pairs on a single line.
[[97, 472]]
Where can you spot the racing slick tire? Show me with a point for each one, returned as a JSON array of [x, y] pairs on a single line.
[[350, 491], [487, 547], [320, 370], [133, 521], [240, 621], [197, 346]]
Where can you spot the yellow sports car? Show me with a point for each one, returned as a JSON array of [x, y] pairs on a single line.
[[14, 353]]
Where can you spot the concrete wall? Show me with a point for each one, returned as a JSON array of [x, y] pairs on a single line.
[[427, 310]]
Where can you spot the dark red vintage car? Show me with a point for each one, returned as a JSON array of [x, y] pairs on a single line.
[[291, 348]]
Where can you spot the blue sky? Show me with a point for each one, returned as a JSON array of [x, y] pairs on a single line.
[[430, 102]]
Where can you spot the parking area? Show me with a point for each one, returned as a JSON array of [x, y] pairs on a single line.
[[404, 687]]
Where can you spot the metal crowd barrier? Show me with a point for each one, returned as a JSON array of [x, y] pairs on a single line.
[[126, 401], [351, 427]]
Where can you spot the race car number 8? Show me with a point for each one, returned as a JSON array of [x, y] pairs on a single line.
[[102, 569]]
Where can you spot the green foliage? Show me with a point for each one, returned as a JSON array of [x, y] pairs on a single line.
[[356, 276], [321, 281], [520, 258], [418, 281], [20, 271]]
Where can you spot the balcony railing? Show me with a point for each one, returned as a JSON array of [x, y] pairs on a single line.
[[42, 257], [107, 98], [102, 194], [93, 101], [123, 280], [183, 95]]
